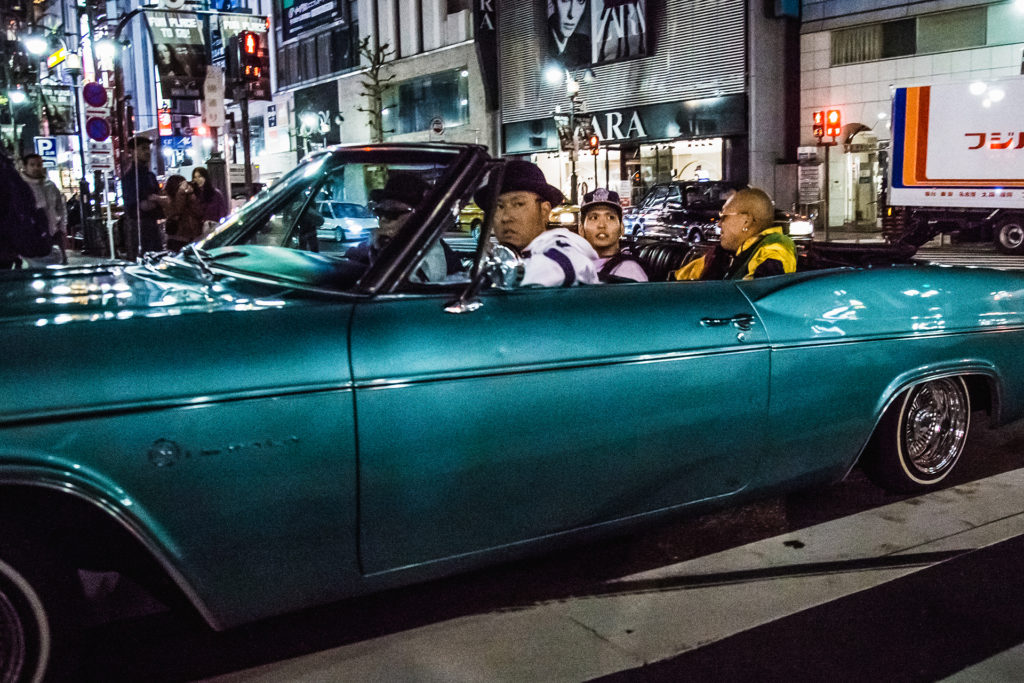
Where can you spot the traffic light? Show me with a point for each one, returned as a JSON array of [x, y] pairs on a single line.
[[595, 144], [245, 58], [819, 124], [832, 123], [250, 65]]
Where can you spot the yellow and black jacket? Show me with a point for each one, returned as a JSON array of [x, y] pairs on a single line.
[[767, 253]]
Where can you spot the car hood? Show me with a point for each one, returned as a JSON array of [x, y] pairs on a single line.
[[112, 291]]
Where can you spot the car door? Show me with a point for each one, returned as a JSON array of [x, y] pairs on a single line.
[[549, 410]]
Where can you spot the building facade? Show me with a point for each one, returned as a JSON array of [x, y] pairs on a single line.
[[703, 91], [853, 53], [431, 80]]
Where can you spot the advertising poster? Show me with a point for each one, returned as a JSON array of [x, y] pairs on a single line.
[[299, 16], [57, 106], [618, 30], [317, 117], [569, 31], [585, 32], [180, 54]]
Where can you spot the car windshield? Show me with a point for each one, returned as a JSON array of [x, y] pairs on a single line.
[[336, 215]]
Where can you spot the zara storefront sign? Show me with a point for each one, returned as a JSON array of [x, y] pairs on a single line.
[[711, 117], [610, 126]]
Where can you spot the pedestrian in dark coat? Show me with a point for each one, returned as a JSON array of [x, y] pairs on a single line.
[[24, 230], [212, 202], [143, 203]]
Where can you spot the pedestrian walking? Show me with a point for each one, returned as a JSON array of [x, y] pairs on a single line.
[[212, 202], [24, 231], [143, 203], [49, 198]]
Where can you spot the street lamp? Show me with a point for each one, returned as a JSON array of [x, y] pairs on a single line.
[[566, 126], [36, 44], [105, 49]]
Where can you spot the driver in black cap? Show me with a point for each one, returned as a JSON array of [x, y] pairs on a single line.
[[551, 258], [393, 206]]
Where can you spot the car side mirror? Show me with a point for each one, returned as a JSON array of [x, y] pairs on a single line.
[[501, 266], [504, 267]]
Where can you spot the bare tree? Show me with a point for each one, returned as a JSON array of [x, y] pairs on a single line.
[[374, 84]]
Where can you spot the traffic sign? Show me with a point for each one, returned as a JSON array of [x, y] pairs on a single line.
[[97, 111], [46, 147], [437, 125], [101, 155], [95, 95], [97, 128], [213, 97]]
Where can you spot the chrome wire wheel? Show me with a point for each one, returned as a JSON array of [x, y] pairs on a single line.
[[25, 639], [921, 436], [936, 419], [12, 642]]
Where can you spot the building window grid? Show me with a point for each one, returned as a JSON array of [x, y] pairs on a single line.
[[921, 35]]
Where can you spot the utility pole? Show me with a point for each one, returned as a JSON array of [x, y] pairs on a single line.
[[243, 91], [574, 193]]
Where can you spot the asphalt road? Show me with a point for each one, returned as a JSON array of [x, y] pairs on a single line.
[[167, 647]]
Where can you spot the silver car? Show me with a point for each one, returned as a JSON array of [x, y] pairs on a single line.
[[345, 222]]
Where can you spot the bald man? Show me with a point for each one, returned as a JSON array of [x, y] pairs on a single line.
[[750, 246]]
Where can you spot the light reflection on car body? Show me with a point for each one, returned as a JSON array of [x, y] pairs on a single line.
[[358, 427]]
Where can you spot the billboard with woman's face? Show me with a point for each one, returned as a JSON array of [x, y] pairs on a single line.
[[585, 32], [179, 52]]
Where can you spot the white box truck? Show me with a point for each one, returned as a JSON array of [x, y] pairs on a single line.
[[956, 163]]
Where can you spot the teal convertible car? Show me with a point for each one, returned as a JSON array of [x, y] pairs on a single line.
[[251, 426]]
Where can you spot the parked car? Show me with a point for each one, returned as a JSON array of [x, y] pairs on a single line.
[[345, 222], [470, 220], [688, 211], [249, 428]]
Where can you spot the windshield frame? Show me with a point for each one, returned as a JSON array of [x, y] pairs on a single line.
[[268, 200], [461, 166]]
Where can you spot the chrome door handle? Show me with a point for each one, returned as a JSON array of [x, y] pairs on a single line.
[[741, 321]]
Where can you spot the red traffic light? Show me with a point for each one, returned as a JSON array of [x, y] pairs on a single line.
[[833, 122], [819, 124], [250, 43], [250, 57], [595, 144]]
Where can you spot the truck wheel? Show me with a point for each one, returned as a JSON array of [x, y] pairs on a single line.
[[1010, 235]]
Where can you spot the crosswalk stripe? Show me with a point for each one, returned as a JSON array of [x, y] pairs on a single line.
[[999, 262]]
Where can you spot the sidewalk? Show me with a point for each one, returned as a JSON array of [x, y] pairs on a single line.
[[631, 624]]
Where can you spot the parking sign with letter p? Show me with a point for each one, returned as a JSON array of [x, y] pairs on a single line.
[[46, 147]]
